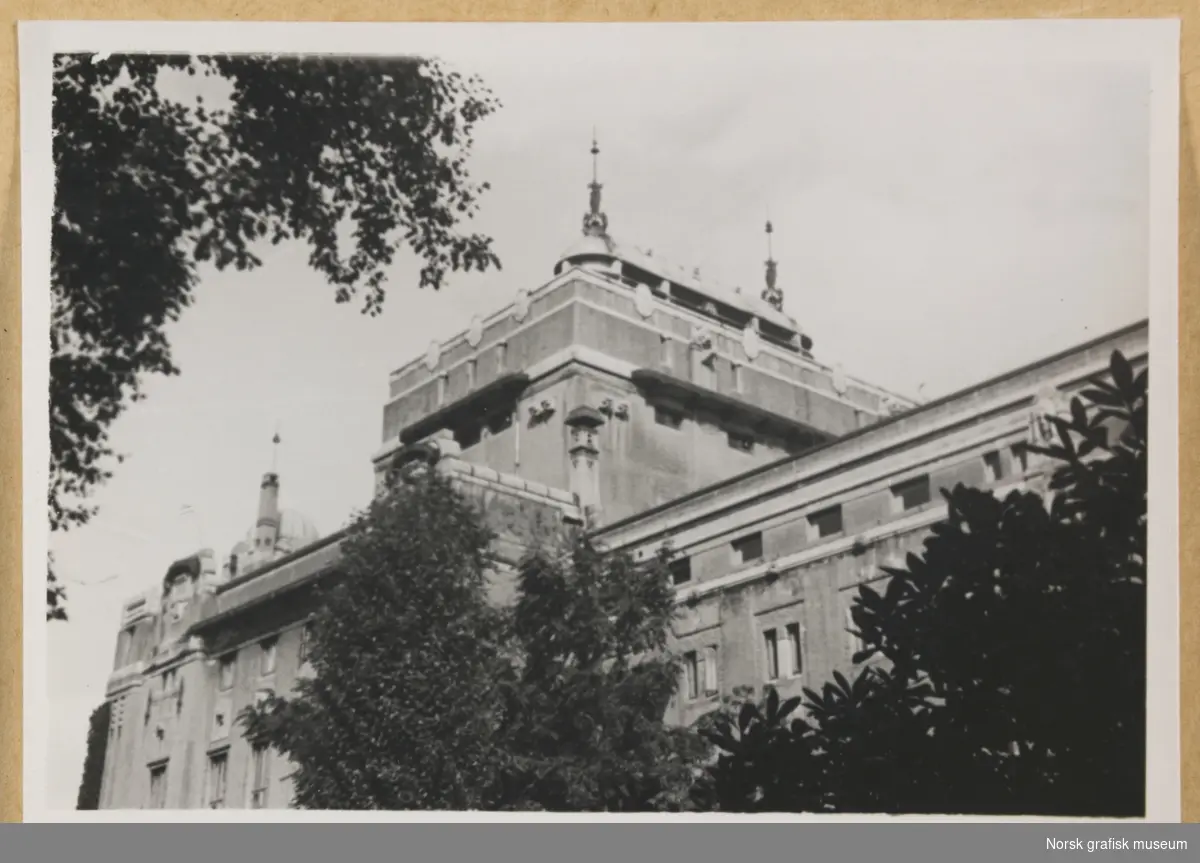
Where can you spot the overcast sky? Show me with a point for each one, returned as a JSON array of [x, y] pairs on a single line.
[[936, 224]]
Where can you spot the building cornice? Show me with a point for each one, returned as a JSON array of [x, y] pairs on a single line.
[[833, 548], [657, 383], [772, 479]]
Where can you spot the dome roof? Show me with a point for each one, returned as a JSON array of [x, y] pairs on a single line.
[[586, 246], [295, 531]]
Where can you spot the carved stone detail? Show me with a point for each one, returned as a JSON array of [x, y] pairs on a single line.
[[433, 355]]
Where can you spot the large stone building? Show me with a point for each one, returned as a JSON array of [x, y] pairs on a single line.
[[651, 405]]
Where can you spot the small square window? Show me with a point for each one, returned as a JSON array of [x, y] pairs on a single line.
[[741, 442], [667, 417], [1020, 454], [993, 466], [749, 548], [913, 493], [827, 522], [681, 570]]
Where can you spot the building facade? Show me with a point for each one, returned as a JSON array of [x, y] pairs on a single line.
[[647, 403]]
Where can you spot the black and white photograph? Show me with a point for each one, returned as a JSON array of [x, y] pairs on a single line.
[[610, 420]]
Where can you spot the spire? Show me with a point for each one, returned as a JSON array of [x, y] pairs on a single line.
[[595, 223], [771, 293]]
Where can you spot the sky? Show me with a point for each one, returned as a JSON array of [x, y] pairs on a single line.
[[936, 224]]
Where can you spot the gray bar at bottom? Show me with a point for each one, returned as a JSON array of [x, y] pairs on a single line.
[[684, 840]]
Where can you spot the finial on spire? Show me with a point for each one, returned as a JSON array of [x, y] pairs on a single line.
[[595, 223], [275, 441], [772, 294]]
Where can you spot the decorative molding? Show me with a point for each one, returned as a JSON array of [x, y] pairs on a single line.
[[475, 332], [643, 300], [520, 306], [433, 355], [751, 343]]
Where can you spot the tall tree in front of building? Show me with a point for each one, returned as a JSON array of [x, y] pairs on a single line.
[[1009, 672], [93, 762], [355, 158], [402, 705], [583, 726]]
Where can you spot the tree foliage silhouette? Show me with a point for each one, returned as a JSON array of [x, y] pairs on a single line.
[[424, 695], [149, 186], [1010, 660], [93, 762], [584, 713]]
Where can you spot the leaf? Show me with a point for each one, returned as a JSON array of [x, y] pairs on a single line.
[[1122, 372]]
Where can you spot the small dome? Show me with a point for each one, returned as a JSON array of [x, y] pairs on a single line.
[[295, 531], [588, 246]]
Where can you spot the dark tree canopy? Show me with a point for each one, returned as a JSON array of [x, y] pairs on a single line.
[[401, 707], [147, 186], [423, 695], [584, 721], [1009, 658], [93, 763]]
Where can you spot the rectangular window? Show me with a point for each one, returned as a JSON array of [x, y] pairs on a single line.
[[912, 493], [740, 442], [827, 522], [736, 372], [501, 357], [771, 653], [692, 671], [1020, 454], [993, 467], [472, 372], [267, 658], [710, 671], [158, 786], [749, 548], [795, 651], [260, 776], [305, 642], [218, 764], [225, 671], [681, 570]]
